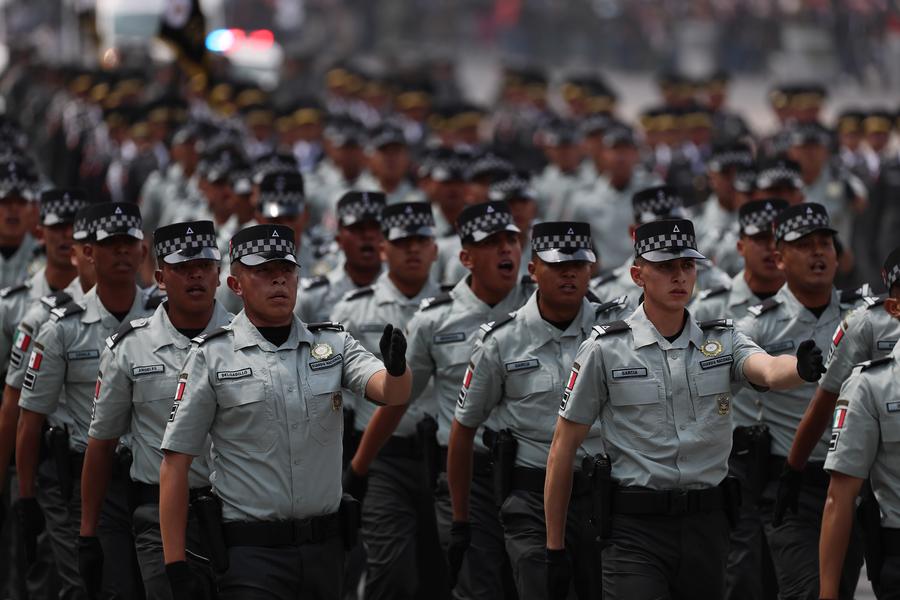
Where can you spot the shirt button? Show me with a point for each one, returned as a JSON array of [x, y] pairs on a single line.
[[296, 462], [681, 427], [290, 389], [294, 426], [282, 356]]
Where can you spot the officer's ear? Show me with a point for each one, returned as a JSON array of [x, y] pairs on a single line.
[[740, 245], [637, 274], [233, 282], [382, 250], [465, 257], [779, 255], [158, 277], [88, 252], [892, 306]]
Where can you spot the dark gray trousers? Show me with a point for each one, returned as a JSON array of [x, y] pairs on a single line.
[[889, 586]]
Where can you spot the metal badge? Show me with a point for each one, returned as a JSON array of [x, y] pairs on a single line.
[[321, 351], [711, 348], [724, 401]]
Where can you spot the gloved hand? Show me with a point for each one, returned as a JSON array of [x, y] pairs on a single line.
[[185, 584], [354, 483], [810, 365], [90, 565], [31, 524], [788, 494], [559, 574], [460, 539], [393, 350]]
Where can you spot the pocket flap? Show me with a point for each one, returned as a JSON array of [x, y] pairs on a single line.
[[633, 393]]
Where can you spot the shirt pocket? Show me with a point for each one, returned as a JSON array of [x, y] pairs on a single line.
[[325, 406], [637, 408], [453, 354], [244, 417], [890, 432], [82, 371], [712, 395], [153, 399]]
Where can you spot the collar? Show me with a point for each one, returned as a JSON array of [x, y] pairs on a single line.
[[741, 292], [95, 311], [159, 323], [463, 294], [387, 293], [645, 332], [246, 334], [540, 331], [801, 313]]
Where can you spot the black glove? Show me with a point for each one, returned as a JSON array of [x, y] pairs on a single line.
[[31, 524], [788, 494], [355, 484], [90, 565], [393, 350], [559, 574], [810, 365], [185, 584], [460, 538]]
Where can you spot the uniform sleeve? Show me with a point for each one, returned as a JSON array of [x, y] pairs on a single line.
[[359, 366], [193, 407], [7, 330], [850, 346], [586, 392], [482, 385], [22, 341], [418, 354], [742, 348], [111, 414], [855, 435], [45, 371]]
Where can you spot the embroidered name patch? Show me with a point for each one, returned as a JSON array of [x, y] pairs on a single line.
[[371, 327], [82, 354], [327, 363], [717, 361], [627, 373], [449, 338], [779, 346], [893, 407], [239, 374], [147, 369], [521, 365], [886, 345]]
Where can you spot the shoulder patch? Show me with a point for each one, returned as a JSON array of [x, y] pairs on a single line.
[[205, 337], [360, 293], [325, 326], [611, 327], [764, 306], [124, 330], [874, 301], [608, 306], [14, 289], [878, 362], [429, 303], [66, 310], [311, 283], [855, 295], [527, 280], [492, 326], [717, 290], [716, 324], [56, 299]]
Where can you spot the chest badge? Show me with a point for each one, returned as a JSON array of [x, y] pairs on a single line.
[[724, 401], [711, 348], [321, 351]]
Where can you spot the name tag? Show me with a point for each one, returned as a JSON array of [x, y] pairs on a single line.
[[717, 361], [521, 365], [82, 354], [327, 363], [893, 407], [449, 338], [148, 369], [886, 344], [779, 346], [627, 373], [239, 374], [371, 327]]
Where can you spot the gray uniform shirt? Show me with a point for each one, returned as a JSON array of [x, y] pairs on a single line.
[[442, 336], [364, 314], [138, 377], [317, 296], [66, 355], [867, 333], [779, 325], [665, 408], [865, 441], [274, 415], [14, 301], [21, 265]]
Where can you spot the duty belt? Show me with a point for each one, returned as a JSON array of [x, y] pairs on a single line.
[[148, 493], [642, 501], [890, 540], [814, 473], [481, 462], [532, 480], [294, 532]]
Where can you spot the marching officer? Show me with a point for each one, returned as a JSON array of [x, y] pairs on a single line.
[[268, 390], [138, 372], [62, 371], [359, 238], [660, 383], [806, 307], [442, 335], [386, 473], [864, 446], [17, 246], [516, 372]]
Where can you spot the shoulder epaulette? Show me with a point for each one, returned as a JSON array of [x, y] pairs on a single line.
[[66, 310], [360, 293], [714, 291], [764, 306], [14, 289], [310, 283], [492, 326], [205, 337], [716, 324], [527, 280], [873, 301], [611, 327], [325, 326], [154, 300], [124, 330], [434, 301], [56, 299], [607, 306], [446, 287], [603, 278], [854, 295], [869, 364]]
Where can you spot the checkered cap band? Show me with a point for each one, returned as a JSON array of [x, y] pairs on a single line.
[[891, 277], [658, 202], [511, 187], [60, 207], [357, 206], [188, 242], [767, 176], [286, 198], [665, 241], [490, 219], [412, 217], [260, 246], [17, 176], [757, 217], [729, 158], [573, 241], [118, 222], [803, 221], [488, 164]]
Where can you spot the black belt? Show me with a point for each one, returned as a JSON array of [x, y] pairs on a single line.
[[532, 480], [641, 501], [890, 541], [401, 447], [814, 473], [481, 462], [282, 533], [148, 493]]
